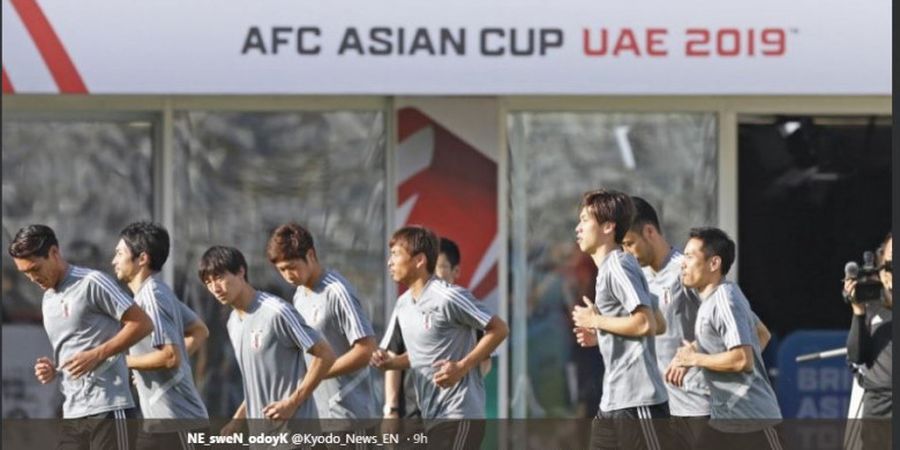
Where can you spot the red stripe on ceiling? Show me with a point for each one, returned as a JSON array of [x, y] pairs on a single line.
[[51, 48]]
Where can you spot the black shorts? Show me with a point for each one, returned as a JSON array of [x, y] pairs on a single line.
[[462, 434], [109, 430], [639, 428]]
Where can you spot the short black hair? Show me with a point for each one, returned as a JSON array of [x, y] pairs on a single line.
[[608, 205], [715, 243], [644, 215], [150, 238], [33, 240], [450, 251], [219, 259], [418, 239]]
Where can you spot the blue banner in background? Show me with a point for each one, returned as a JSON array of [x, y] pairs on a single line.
[[817, 389]]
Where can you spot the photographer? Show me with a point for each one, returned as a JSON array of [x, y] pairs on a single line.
[[869, 342]]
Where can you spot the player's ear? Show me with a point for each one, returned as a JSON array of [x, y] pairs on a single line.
[[143, 259], [420, 260], [609, 227], [715, 263]]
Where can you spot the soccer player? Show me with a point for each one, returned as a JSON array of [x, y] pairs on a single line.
[[447, 269], [269, 338], [329, 304], [162, 370], [743, 406], [688, 391], [623, 317], [90, 323], [437, 321]]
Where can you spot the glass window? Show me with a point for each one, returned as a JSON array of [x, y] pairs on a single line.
[[239, 175], [668, 159], [85, 179]]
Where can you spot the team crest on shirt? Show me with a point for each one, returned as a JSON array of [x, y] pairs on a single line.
[[667, 296], [65, 309], [426, 320], [256, 339]]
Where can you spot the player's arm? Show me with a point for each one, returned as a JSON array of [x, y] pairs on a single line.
[[195, 335], [494, 333], [450, 372], [640, 322], [355, 327], [165, 357], [354, 359], [737, 359], [135, 326], [166, 334], [322, 360], [392, 381], [387, 360], [660, 321], [195, 330], [392, 355]]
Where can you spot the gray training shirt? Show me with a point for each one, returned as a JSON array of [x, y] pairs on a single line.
[[724, 322], [678, 306], [269, 342], [166, 393], [631, 378], [440, 325], [333, 309], [82, 312]]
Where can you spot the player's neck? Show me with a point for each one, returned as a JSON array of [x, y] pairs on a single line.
[[317, 273], [661, 250], [134, 285], [706, 291], [245, 299], [603, 251], [417, 286], [63, 271]]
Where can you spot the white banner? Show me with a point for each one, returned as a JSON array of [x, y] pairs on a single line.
[[490, 47]]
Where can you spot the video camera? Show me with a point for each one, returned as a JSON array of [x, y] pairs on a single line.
[[868, 284]]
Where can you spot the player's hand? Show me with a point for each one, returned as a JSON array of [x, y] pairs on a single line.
[[685, 356], [585, 316], [449, 373], [83, 362], [44, 370], [379, 358], [585, 337], [281, 410], [675, 375]]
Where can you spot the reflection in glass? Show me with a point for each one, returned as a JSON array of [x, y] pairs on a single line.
[[86, 180], [668, 159]]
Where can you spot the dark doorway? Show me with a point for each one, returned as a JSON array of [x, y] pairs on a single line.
[[814, 193]]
